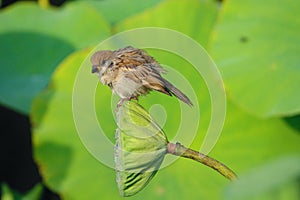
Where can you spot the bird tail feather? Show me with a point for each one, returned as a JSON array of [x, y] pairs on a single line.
[[176, 92]]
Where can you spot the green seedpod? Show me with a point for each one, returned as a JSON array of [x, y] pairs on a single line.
[[140, 148]]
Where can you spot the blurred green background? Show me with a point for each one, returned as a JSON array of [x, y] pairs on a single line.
[[255, 45]]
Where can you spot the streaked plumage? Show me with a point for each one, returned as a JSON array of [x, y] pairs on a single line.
[[131, 72]]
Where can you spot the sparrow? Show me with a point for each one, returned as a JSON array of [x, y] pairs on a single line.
[[131, 72]]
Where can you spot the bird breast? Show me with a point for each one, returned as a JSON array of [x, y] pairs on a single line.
[[126, 88]]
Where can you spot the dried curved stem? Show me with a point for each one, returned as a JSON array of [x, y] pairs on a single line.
[[179, 150]]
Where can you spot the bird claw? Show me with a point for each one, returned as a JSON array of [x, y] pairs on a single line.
[[121, 101]]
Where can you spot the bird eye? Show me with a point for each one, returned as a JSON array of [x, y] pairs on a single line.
[[103, 62]]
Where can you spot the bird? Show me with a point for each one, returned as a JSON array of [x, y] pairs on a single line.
[[131, 72]]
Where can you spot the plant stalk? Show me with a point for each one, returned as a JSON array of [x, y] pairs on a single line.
[[179, 150]]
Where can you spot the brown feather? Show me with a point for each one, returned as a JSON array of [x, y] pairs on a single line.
[[132, 72]]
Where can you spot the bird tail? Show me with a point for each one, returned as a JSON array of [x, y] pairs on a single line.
[[176, 92]]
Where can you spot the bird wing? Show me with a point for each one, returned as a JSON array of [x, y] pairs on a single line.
[[147, 76], [137, 65], [132, 57]]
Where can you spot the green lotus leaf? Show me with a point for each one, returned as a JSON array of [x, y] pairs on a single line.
[[121, 8], [76, 23], [193, 18], [23, 78], [35, 40], [256, 48], [286, 169]]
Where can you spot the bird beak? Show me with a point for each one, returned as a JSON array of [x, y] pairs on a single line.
[[95, 69]]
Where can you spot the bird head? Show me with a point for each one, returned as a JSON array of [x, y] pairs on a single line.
[[100, 61]]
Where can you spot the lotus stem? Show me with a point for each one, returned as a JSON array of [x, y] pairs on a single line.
[[179, 150]]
